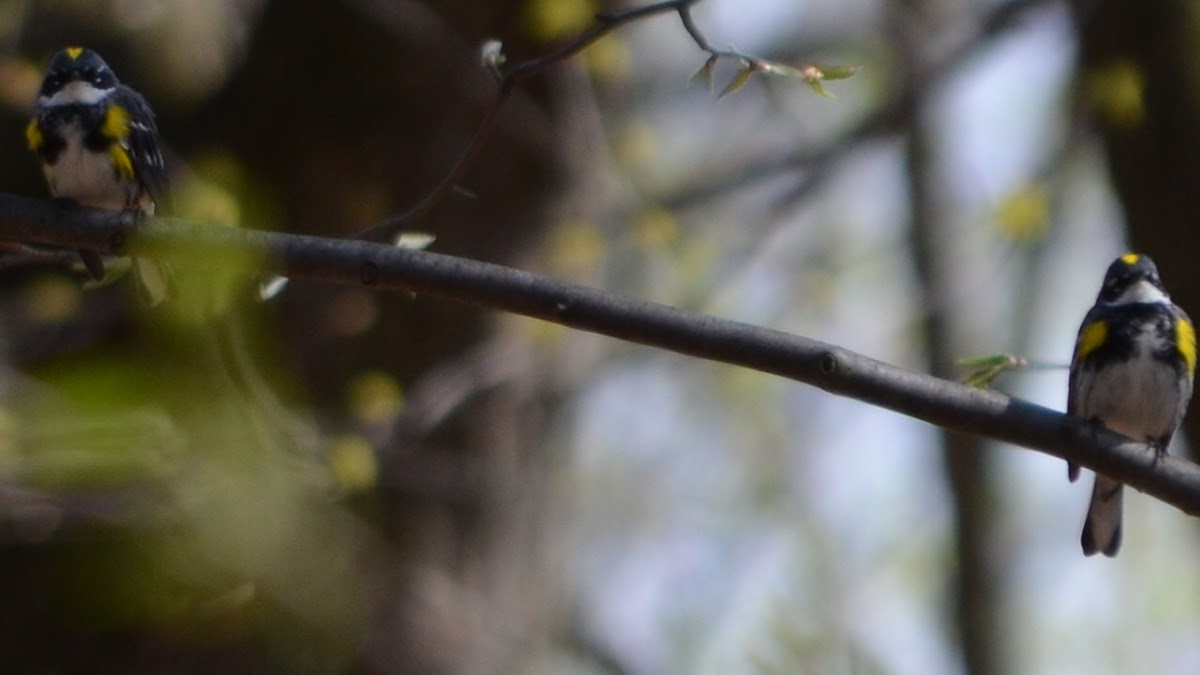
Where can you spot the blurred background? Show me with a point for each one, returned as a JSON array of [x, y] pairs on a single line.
[[340, 481]]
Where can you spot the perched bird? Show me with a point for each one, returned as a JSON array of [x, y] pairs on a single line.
[[1132, 372], [98, 143]]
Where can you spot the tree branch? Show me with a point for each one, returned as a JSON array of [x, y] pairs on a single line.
[[836, 370], [818, 162], [508, 78], [605, 23]]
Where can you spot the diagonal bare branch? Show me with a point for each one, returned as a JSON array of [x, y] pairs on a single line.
[[836, 370], [604, 24]]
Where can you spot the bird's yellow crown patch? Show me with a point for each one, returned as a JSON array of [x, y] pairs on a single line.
[[1093, 336], [74, 52], [1130, 258]]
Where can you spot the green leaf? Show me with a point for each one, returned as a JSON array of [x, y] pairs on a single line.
[[1024, 214], [985, 369], [1117, 92], [815, 76], [815, 85], [738, 81], [705, 73], [838, 72]]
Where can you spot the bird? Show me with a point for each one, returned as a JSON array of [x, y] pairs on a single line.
[[98, 143], [1131, 372]]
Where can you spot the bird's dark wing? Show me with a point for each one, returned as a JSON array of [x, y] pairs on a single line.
[[143, 146], [1074, 386]]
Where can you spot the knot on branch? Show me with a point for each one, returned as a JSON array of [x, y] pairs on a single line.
[[828, 363]]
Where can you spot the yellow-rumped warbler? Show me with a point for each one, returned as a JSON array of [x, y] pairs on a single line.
[[1131, 372], [98, 144]]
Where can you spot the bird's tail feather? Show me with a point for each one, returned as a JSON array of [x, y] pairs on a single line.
[[1102, 529]]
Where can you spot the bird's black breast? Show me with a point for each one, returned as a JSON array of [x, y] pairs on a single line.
[[89, 119], [1134, 328]]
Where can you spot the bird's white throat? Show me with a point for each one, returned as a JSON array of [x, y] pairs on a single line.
[[1141, 291], [77, 92]]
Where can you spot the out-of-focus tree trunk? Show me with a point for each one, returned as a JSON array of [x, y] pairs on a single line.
[[344, 113], [343, 137], [973, 584]]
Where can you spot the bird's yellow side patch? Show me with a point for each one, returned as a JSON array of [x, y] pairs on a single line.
[[1185, 342], [116, 129], [74, 52], [1130, 258], [116, 123], [122, 164], [1091, 338], [33, 135]]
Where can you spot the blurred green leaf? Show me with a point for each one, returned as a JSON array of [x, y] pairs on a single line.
[[74, 452], [550, 19], [374, 397], [1023, 215], [353, 464], [1117, 91], [739, 80], [816, 86], [985, 369], [839, 72], [705, 74]]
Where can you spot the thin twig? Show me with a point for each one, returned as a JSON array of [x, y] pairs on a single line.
[[819, 162], [389, 227], [605, 23], [15, 256], [882, 120]]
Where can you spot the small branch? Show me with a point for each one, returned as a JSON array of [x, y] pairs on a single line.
[[689, 24], [391, 226], [605, 23], [828, 367], [14, 255], [694, 32], [685, 17], [817, 163]]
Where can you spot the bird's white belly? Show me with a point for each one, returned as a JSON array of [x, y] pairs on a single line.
[[86, 177], [1138, 398]]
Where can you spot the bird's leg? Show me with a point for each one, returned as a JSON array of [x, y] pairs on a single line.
[[91, 259]]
